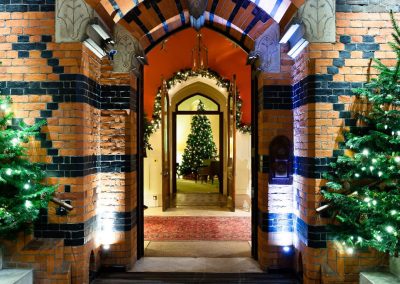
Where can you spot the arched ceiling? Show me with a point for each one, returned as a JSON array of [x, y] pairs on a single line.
[[152, 20], [224, 57]]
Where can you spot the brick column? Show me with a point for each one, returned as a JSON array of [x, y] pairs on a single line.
[[88, 146], [275, 202]]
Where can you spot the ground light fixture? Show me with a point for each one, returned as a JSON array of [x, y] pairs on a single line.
[[286, 249]]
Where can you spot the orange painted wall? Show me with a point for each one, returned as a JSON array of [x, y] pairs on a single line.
[[224, 57]]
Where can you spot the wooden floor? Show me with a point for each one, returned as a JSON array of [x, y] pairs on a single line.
[[188, 278]]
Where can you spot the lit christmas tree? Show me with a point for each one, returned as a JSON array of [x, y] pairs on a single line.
[[364, 185], [200, 145], [21, 192]]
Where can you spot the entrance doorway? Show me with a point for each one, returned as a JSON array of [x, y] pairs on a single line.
[[197, 166], [206, 220]]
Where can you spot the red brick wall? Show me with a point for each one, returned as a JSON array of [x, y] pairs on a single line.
[[76, 129], [318, 127]]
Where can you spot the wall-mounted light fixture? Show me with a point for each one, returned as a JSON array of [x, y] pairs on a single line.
[[294, 35], [99, 40]]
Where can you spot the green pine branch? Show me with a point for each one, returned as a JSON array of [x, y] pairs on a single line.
[[22, 191], [363, 187]]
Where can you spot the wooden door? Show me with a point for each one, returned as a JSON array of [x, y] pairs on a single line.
[[165, 147], [231, 144]]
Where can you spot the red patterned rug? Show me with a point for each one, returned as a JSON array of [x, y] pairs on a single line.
[[197, 228]]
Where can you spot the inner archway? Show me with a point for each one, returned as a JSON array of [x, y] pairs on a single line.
[[229, 60]]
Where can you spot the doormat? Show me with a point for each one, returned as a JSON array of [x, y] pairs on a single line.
[[187, 228]]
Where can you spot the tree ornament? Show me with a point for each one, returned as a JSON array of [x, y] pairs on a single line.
[[182, 76]]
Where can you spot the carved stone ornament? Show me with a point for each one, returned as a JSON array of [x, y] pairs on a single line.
[[197, 7], [319, 19], [72, 17], [127, 46], [268, 49]]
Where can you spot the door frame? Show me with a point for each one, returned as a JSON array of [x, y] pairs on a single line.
[[221, 144], [254, 163]]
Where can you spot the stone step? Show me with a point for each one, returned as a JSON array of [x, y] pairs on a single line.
[[16, 276], [166, 277], [378, 278]]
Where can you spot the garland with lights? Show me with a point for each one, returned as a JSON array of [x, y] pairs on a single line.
[[364, 185], [182, 76], [22, 194]]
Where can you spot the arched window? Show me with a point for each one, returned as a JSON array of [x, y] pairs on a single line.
[[190, 103], [281, 157]]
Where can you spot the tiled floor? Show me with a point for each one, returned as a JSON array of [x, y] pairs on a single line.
[[197, 256], [197, 264], [215, 249], [196, 211], [199, 199]]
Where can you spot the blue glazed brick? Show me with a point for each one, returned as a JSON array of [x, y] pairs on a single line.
[[344, 54], [368, 38], [345, 39], [47, 54], [34, 8], [16, 8], [338, 62], [368, 54], [53, 62], [23, 54], [350, 46], [58, 69], [46, 113], [367, 46], [333, 70], [52, 152], [23, 38], [46, 38], [52, 106]]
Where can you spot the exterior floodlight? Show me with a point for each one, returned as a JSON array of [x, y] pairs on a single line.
[[99, 40], [289, 33], [142, 59], [97, 50], [286, 249], [101, 32], [299, 47]]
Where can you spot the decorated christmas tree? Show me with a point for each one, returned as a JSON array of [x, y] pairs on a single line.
[[22, 192], [364, 186], [200, 145]]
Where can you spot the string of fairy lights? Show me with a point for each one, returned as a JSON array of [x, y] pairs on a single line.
[[24, 194], [182, 76]]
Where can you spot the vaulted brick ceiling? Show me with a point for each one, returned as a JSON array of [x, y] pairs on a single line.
[[241, 20]]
